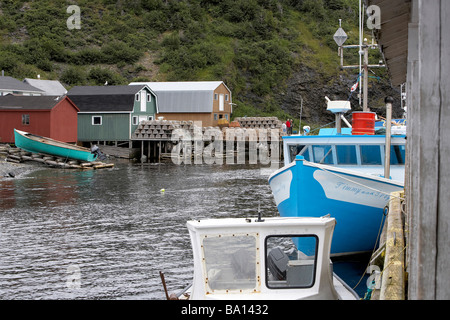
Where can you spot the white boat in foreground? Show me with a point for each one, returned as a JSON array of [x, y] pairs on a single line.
[[254, 258]]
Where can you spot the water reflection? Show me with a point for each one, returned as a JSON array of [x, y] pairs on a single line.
[[114, 226]]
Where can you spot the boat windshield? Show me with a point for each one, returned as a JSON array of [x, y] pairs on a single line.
[[290, 261], [230, 262], [301, 150], [351, 155], [398, 154], [371, 155], [346, 154], [323, 154]]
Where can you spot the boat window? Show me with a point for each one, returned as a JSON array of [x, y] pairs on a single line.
[[346, 154], [323, 154], [299, 149], [290, 261], [230, 262], [398, 154], [370, 155]]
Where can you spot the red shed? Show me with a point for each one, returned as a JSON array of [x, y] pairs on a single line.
[[47, 116]]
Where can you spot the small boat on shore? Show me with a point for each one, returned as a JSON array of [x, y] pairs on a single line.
[[37, 144], [270, 258]]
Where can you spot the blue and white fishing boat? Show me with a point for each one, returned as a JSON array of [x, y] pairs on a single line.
[[341, 175]]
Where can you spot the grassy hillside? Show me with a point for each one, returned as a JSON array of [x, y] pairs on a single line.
[[255, 46]]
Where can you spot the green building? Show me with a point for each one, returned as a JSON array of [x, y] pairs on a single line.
[[112, 113]]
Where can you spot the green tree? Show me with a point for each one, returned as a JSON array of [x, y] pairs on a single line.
[[73, 76]]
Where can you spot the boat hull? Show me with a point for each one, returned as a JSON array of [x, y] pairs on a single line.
[[355, 200], [36, 144]]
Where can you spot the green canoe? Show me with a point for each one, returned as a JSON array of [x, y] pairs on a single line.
[[37, 144]]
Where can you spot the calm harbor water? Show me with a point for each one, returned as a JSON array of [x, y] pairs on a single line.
[[106, 234]]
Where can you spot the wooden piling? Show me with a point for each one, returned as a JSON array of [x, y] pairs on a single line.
[[390, 256], [393, 276]]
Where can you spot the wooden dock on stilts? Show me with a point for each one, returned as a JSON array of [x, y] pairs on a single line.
[[158, 138]]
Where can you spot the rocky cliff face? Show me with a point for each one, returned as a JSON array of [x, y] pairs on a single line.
[[308, 84]]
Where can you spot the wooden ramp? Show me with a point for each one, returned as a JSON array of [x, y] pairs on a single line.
[[17, 155]]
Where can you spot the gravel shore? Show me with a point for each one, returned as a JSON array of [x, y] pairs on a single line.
[[9, 170]]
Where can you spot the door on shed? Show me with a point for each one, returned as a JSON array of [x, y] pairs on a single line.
[[221, 102], [143, 101]]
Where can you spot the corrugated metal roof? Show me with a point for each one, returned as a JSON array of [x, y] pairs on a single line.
[[185, 101], [184, 96], [50, 87]]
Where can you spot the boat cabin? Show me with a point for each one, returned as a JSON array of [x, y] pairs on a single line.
[[271, 258], [349, 151]]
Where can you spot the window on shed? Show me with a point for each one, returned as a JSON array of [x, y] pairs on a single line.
[[25, 119], [149, 97], [215, 96], [96, 120], [138, 97], [135, 121], [226, 97]]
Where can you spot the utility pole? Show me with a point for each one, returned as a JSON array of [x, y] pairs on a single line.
[[366, 77], [301, 110], [387, 155], [363, 49]]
